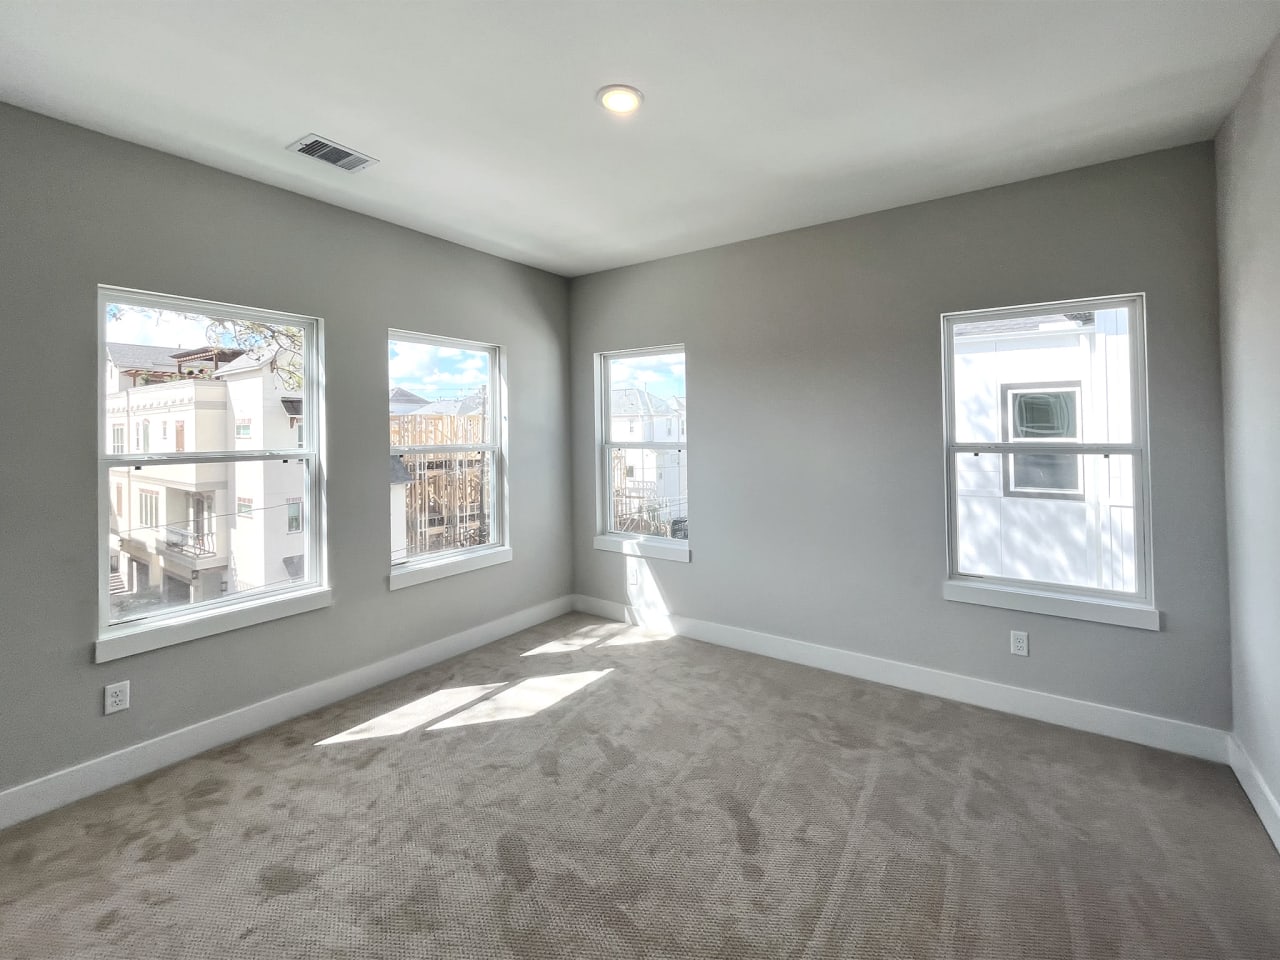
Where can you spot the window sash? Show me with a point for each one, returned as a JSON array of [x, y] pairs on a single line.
[[606, 520], [310, 454], [1138, 448], [496, 505]]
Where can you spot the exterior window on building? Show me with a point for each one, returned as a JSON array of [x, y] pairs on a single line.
[[184, 532], [1047, 462], [148, 510], [295, 515], [448, 453], [644, 494], [119, 499]]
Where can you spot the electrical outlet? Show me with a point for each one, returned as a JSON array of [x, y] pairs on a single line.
[[1019, 645], [116, 697]]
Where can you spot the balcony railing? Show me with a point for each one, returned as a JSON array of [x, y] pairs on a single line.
[[189, 542]]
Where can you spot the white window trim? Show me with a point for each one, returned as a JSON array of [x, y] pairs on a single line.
[[637, 545], [428, 567], [652, 548], [475, 558], [1101, 606], [252, 607]]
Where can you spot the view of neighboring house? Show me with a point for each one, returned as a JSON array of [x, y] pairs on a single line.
[[1050, 517], [182, 533], [439, 501], [650, 485]]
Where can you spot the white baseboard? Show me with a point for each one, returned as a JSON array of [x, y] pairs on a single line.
[[1256, 789], [93, 776], [1208, 743]]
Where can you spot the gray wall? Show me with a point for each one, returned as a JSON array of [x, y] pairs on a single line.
[[1249, 169], [815, 459], [78, 209]]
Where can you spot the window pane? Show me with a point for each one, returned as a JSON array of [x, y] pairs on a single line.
[[649, 492], [438, 394], [1084, 539], [646, 398], [1024, 378], [226, 384], [182, 535], [441, 502]]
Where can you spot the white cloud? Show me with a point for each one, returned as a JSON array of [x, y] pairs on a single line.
[[159, 328]]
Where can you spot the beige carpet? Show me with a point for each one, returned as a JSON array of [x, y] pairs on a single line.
[[650, 798]]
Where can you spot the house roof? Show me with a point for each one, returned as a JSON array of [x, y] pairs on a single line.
[[980, 328], [404, 402], [136, 356], [634, 402]]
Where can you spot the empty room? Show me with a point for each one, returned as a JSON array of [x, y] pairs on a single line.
[[592, 479]]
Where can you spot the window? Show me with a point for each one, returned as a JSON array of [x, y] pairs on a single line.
[[448, 456], [148, 510], [295, 515], [643, 494], [244, 429], [1047, 465], [1041, 412], [197, 568]]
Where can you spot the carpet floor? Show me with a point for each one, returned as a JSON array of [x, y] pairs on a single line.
[[583, 790]]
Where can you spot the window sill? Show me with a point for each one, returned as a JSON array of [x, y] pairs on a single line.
[[424, 571], [1097, 610], [648, 547], [128, 639]]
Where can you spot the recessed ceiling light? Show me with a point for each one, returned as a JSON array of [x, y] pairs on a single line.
[[619, 98]]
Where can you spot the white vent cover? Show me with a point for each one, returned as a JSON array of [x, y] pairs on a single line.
[[334, 154]]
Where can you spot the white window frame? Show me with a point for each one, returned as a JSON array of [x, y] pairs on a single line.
[[633, 544], [425, 568], [117, 438], [1137, 609], [211, 617]]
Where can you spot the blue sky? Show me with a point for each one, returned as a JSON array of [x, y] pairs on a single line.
[[434, 372], [662, 374]]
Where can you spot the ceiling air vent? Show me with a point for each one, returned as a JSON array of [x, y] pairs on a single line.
[[334, 154]]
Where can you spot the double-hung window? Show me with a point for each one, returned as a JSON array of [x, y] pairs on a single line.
[[1047, 464], [448, 457], [643, 465], [193, 542]]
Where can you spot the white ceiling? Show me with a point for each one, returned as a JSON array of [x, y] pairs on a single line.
[[758, 117]]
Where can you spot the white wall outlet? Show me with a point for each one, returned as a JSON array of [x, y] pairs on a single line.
[[116, 697], [1019, 645]]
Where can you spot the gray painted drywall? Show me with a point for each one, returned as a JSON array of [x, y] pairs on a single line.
[[78, 209], [1249, 225], [815, 439]]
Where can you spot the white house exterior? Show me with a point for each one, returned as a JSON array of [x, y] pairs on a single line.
[[650, 485], [193, 532], [1053, 518]]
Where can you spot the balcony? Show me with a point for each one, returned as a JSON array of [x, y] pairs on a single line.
[[192, 550]]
